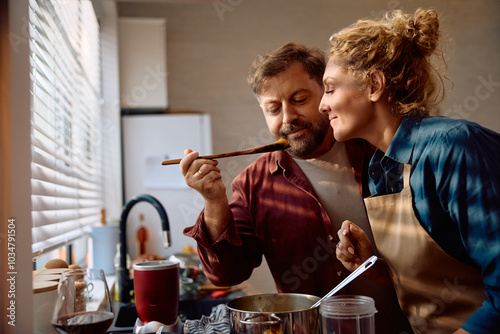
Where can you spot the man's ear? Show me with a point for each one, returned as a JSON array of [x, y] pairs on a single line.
[[376, 85]]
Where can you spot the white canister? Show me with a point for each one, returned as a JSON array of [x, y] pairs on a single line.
[[104, 240], [44, 299]]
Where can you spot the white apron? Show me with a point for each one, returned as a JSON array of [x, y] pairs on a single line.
[[436, 292]]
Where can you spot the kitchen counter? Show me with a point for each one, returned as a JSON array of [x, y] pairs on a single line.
[[126, 314]]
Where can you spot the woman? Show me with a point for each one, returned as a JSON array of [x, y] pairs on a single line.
[[436, 214]]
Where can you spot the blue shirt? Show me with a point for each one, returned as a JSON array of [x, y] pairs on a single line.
[[455, 184]]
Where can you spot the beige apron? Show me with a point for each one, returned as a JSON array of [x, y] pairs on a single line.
[[436, 292]]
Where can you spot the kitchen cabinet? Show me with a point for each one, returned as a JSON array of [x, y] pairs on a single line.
[[142, 48]]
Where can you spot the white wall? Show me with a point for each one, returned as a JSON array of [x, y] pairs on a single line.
[[210, 52], [20, 196], [111, 110]]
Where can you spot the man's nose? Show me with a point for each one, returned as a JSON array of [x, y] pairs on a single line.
[[289, 114]]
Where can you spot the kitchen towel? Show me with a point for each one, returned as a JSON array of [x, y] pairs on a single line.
[[216, 323]]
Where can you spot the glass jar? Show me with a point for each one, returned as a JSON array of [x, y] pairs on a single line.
[[348, 314]]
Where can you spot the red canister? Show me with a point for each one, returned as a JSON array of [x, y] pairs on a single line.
[[156, 290]]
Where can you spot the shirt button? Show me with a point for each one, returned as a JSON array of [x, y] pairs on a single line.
[[339, 273], [330, 237]]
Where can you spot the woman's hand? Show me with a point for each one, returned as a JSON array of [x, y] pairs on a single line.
[[354, 248]]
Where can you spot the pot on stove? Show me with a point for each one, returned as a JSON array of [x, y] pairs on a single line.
[[275, 313]]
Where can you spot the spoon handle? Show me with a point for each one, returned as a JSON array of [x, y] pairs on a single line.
[[277, 146], [361, 269]]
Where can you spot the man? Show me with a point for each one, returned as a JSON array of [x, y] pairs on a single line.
[[288, 205]]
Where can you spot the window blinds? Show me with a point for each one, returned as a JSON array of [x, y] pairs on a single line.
[[65, 121]]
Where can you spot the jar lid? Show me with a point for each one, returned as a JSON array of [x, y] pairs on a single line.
[[38, 278], [347, 306], [44, 286], [53, 271], [155, 265]]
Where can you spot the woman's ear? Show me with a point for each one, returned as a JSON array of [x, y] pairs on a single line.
[[376, 84]]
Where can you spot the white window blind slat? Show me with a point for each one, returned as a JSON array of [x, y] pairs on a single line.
[[61, 217], [46, 208], [61, 237], [55, 190], [41, 203], [44, 97], [55, 179], [42, 156], [54, 235], [65, 218], [66, 117]]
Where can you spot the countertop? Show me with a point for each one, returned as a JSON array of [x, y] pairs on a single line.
[[126, 314]]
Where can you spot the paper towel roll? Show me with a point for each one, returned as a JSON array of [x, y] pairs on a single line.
[[104, 240]]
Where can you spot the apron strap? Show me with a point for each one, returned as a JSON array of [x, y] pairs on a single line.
[[406, 175]]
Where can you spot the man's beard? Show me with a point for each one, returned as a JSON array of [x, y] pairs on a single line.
[[307, 144]]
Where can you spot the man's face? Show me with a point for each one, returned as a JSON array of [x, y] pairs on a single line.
[[290, 102]]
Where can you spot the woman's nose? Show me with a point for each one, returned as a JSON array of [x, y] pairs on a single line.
[[323, 106]]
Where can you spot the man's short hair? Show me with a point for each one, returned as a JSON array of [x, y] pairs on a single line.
[[279, 60]]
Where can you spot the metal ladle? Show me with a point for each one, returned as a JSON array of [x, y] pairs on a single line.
[[361, 269]]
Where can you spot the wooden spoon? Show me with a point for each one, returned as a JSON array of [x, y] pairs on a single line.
[[277, 146]]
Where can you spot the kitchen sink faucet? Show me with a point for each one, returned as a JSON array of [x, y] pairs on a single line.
[[125, 284]]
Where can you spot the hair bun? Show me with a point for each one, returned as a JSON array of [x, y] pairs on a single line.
[[423, 31], [405, 48]]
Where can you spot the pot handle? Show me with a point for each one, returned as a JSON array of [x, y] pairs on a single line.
[[259, 319]]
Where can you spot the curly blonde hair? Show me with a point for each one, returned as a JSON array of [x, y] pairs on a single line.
[[404, 48]]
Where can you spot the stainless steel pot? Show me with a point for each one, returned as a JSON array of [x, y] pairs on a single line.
[[274, 313]]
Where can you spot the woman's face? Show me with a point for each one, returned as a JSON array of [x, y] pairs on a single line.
[[347, 104]]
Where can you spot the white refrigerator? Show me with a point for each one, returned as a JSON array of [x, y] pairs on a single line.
[[147, 139]]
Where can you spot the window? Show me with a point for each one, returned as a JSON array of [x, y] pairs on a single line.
[[66, 181]]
